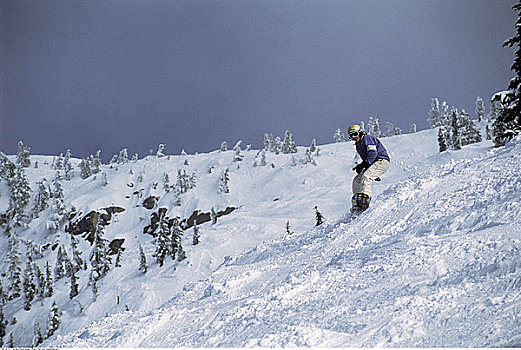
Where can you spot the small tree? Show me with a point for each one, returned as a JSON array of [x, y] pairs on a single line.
[[435, 118], [338, 136], [319, 219], [54, 320], [41, 198], [289, 146], [29, 287], [143, 267], [480, 109], [196, 235], [22, 155], [223, 182]]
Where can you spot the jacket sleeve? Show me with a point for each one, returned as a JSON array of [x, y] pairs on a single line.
[[371, 153]]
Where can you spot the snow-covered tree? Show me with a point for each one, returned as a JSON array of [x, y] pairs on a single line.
[[508, 121], [14, 270], [20, 195], [313, 146], [163, 239], [77, 261], [196, 235], [41, 198], [319, 219], [237, 149], [435, 118], [99, 259], [392, 130], [49, 283], [223, 181], [74, 283], [67, 166], [85, 168], [29, 287], [96, 163], [167, 187], [38, 337], [160, 148], [288, 145], [143, 267], [455, 133], [3, 326], [413, 129], [22, 155], [468, 132], [224, 146], [442, 139], [269, 144], [59, 269], [338, 136], [54, 320], [480, 109], [373, 126]]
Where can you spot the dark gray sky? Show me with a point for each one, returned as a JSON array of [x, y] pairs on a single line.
[[89, 75]]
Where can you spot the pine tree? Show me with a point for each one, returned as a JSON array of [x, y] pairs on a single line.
[[224, 146], [176, 247], [480, 109], [38, 338], [123, 156], [196, 235], [96, 163], [313, 146], [74, 284], [29, 288], [143, 267], [85, 168], [339, 136], [455, 134], [373, 126], [3, 326], [163, 239], [77, 261], [41, 198], [413, 129], [40, 281], [237, 149], [223, 182], [469, 133], [14, 271], [54, 320], [99, 258], [49, 283], [59, 269], [508, 121], [11, 341], [435, 118], [288, 145], [22, 155], [166, 183], [3, 295], [20, 195], [67, 166], [319, 219]]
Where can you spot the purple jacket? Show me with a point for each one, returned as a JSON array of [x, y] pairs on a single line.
[[371, 149]]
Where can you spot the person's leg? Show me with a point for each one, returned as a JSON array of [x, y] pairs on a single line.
[[376, 169]]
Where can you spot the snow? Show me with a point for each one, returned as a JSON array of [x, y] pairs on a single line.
[[434, 262]]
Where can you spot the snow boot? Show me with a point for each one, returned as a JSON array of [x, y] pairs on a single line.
[[360, 203]]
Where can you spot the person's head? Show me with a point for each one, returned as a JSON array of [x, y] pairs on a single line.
[[355, 133]]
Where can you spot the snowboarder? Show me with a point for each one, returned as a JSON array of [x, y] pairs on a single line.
[[375, 162]]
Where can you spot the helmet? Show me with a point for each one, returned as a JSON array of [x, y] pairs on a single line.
[[354, 131]]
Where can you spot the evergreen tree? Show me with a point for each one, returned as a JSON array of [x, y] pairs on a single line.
[[38, 337], [288, 145], [20, 195], [224, 146], [58, 206], [41, 198], [99, 258], [469, 133], [74, 284], [143, 267], [237, 149], [339, 136], [96, 163], [3, 295], [435, 118], [480, 109], [85, 168], [22, 155], [223, 182], [49, 283], [413, 129], [77, 261], [392, 130], [11, 341], [3, 326], [373, 126], [54, 320], [40, 281], [167, 187], [160, 149], [29, 288], [313, 146], [319, 219], [163, 239], [508, 121], [14, 271], [123, 156], [196, 236], [58, 163], [59, 269], [67, 166], [455, 134], [176, 248]]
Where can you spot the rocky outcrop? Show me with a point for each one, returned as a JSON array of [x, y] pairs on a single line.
[[86, 225], [150, 202]]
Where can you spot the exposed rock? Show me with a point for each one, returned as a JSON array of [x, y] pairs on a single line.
[[115, 246], [150, 202], [87, 224]]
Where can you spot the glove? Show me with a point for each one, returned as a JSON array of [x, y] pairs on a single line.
[[361, 167]]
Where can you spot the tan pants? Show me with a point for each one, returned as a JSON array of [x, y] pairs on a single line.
[[363, 181]]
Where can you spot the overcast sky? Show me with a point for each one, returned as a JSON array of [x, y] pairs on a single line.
[[89, 75]]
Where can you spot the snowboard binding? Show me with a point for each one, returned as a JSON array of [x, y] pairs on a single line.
[[360, 203]]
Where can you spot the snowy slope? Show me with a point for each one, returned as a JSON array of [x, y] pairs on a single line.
[[435, 261]]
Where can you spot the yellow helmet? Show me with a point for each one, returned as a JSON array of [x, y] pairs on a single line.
[[354, 131]]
